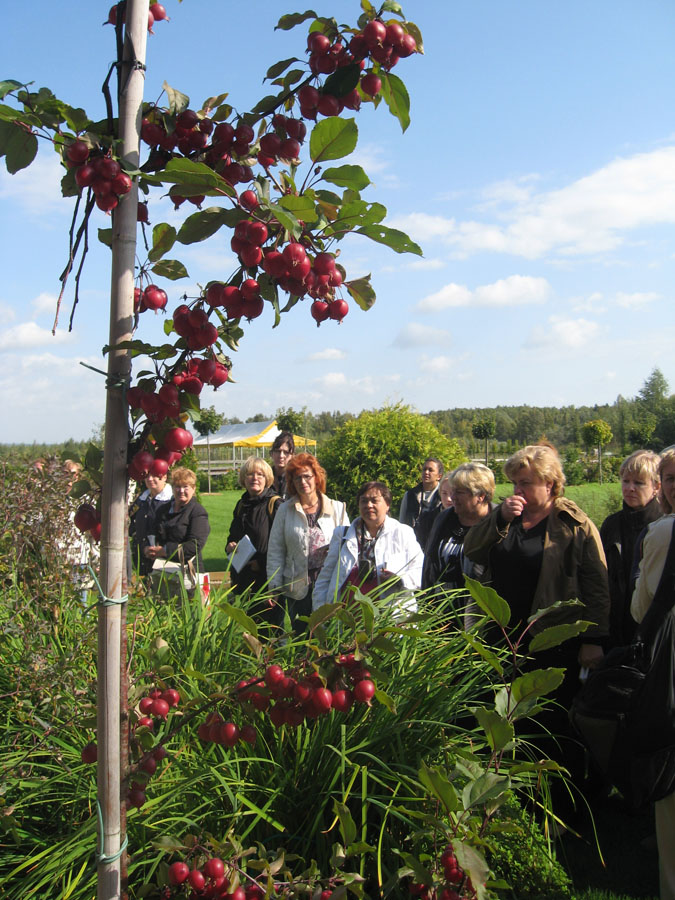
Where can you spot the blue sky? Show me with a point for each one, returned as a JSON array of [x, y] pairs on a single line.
[[538, 175]]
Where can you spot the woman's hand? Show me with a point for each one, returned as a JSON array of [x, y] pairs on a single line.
[[513, 507], [154, 552], [231, 547], [590, 655]]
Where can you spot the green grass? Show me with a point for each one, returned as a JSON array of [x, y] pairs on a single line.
[[220, 508]]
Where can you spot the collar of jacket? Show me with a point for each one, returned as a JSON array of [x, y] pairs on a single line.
[[326, 506]]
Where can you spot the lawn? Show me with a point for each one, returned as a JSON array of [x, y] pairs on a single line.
[[220, 508]]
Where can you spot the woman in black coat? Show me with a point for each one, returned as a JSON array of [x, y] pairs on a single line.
[[619, 533], [472, 487], [253, 516], [183, 523]]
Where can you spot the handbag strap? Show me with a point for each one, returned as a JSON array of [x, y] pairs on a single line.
[[663, 601]]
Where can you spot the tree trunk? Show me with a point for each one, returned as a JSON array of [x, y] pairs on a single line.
[[111, 717], [600, 463]]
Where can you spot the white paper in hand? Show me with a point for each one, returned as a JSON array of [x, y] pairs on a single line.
[[243, 553]]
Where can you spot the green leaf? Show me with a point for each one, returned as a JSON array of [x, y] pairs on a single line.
[[489, 601], [352, 177], [342, 81], [9, 114], [201, 225], [69, 187], [383, 644], [285, 218], [333, 138], [192, 178], [7, 86], [105, 236], [302, 207], [476, 644], [498, 730], [555, 635], [391, 237], [280, 67], [361, 291], [168, 842], [173, 269], [523, 697], [422, 875], [396, 97], [385, 700], [239, 616], [474, 864], [18, 145], [392, 6], [347, 826], [486, 787], [322, 614], [163, 239], [289, 21], [438, 785], [213, 102], [80, 488], [76, 118], [268, 104], [177, 101]]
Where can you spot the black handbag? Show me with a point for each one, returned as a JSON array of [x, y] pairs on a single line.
[[625, 712]]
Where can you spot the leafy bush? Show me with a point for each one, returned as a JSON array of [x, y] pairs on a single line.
[[387, 445]]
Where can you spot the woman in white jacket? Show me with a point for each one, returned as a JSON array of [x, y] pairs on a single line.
[[374, 549], [302, 529]]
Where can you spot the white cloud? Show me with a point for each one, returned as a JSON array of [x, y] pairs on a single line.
[[515, 290], [563, 334], [592, 215], [637, 299], [328, 353], [44, 305], [435, 364], [37, 189], [416, 335], [28, 334], [331, 380], [427, 264]]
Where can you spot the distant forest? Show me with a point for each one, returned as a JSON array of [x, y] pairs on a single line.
[[647, 420]]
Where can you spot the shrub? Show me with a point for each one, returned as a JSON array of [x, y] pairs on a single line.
[[387, 445]]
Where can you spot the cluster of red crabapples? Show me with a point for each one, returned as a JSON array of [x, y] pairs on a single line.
[[290, 701], [154, 707], [101, 173], [209, 881], [384, 44], [157, 463], [457, 885]]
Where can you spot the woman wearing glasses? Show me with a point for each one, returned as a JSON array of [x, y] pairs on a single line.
[[301, 533], [282, 452]]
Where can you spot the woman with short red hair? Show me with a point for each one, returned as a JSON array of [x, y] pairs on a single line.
[[301, 533]]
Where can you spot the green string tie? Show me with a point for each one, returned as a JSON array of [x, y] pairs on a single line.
[[101, 858]]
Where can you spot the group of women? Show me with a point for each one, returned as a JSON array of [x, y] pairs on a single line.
[[536, 549]]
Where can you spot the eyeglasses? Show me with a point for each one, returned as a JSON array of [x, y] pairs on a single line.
[[282, 452], [365, 501], [300, 478]]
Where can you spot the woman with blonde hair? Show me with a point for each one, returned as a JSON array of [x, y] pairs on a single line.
[[301, 533], [619, 532], [538, 549], [253, 516], [471, 488], [654, 552], [183, 524]]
